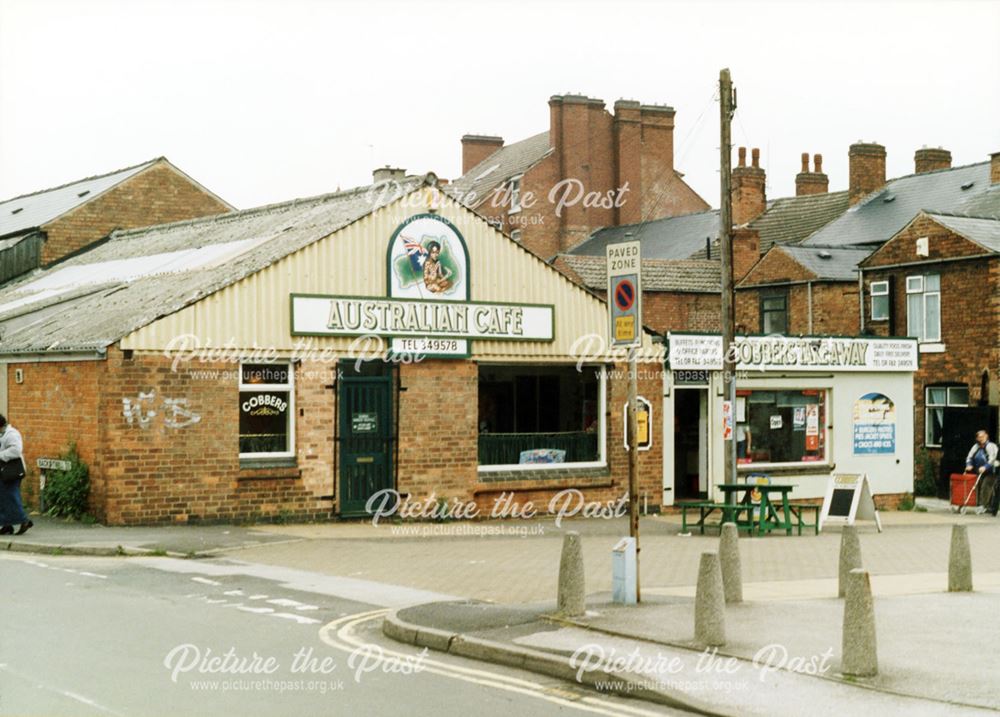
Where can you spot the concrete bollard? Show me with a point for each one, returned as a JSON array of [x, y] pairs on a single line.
[[859, 646], [850, 556], [572, 596], [960, 561], [729, 560], [710, 603]]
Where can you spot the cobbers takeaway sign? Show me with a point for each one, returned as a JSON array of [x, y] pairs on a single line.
[[359, 316]]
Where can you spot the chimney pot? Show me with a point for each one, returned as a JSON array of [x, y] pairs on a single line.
[[743, 156], [814, 182], [755, 153], [805, 162], [818, 162]]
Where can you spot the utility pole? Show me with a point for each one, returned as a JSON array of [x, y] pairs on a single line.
[[633, 462], [727, 106]]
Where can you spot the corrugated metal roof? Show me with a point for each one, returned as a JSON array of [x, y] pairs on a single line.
[[983, 231], [878, 217], [33, 210], [510, 161], [683, 275], [92, 300], [828, 263], [667, 238]]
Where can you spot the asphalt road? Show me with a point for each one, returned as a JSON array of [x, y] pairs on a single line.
[[158, 636]]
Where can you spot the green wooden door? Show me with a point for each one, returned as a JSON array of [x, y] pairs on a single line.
[[366, 434]]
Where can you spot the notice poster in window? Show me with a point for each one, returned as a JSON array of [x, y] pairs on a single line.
[[799, 418], [874, 425], [776, 422], [812, 427], [741, 409]]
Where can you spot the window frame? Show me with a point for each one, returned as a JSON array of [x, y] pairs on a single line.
[[602, 437], [948, 403], [764, 296], [272, 387], [879, 289], [514, 189], [826, 395], [921, 280]]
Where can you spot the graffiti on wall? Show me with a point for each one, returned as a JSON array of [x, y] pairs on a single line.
[[141, 411]]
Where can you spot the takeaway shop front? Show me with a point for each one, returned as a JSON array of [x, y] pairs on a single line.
[[805, 407]]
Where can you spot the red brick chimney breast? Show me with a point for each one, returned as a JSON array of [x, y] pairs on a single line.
[[476, 148], [867, 170], [814, 182], [748, 188], [928, 159]]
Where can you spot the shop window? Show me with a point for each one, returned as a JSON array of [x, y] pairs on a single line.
[[531, 415], [880, 300], [266, 411], [787, 426], [774, 313], [923, 307], [936, 399]]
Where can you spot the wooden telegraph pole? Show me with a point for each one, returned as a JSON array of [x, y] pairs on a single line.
[[727, 106]]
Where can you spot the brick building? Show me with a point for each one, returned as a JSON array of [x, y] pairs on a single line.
[[590, 169], [938, 279], [40, 228], [240, 368]]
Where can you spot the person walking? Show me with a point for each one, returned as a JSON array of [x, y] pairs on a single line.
[[11, 474], [983, 460]]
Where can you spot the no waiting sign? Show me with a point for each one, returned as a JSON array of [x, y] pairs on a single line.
[[624, 293]]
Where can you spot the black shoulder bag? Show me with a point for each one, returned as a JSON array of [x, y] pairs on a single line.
[[11, 470]]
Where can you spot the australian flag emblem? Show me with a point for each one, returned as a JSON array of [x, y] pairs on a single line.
[[417, 255]]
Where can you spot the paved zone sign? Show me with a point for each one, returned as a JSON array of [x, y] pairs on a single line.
[[624, 293]]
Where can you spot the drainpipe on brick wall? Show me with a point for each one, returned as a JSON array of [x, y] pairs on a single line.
[[861, 300], [809, 302]]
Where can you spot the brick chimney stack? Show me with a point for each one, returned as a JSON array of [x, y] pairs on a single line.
[[387, 173], [814, 182], [749, 194], [995, 168], [476, 148], [927, 159], [867, 170]]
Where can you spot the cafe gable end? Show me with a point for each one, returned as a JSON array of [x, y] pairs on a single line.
[[262, 364]]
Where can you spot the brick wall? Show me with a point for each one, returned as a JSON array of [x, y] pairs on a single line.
[[970, 313], [57, 404], [664, 311], [604, 152], [156, 472], [153, 196]]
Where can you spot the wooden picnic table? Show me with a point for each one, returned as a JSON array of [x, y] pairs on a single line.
[[769, 518]]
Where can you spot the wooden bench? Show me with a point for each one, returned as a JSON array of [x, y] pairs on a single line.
[[798, 511], [706, 508]]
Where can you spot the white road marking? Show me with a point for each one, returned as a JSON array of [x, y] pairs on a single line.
[[286, 602], [340, 635], [206, 581], [256, 610], [301, 619], [76, 696], [234, 592]]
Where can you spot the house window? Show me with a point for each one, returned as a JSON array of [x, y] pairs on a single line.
[[880, 300], [774, 313], [515, 195], [936, 399], [923, 307], [532, 415], [786, 426], [267, 404]]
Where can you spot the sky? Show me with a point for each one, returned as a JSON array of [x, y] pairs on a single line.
[[272, 100]]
